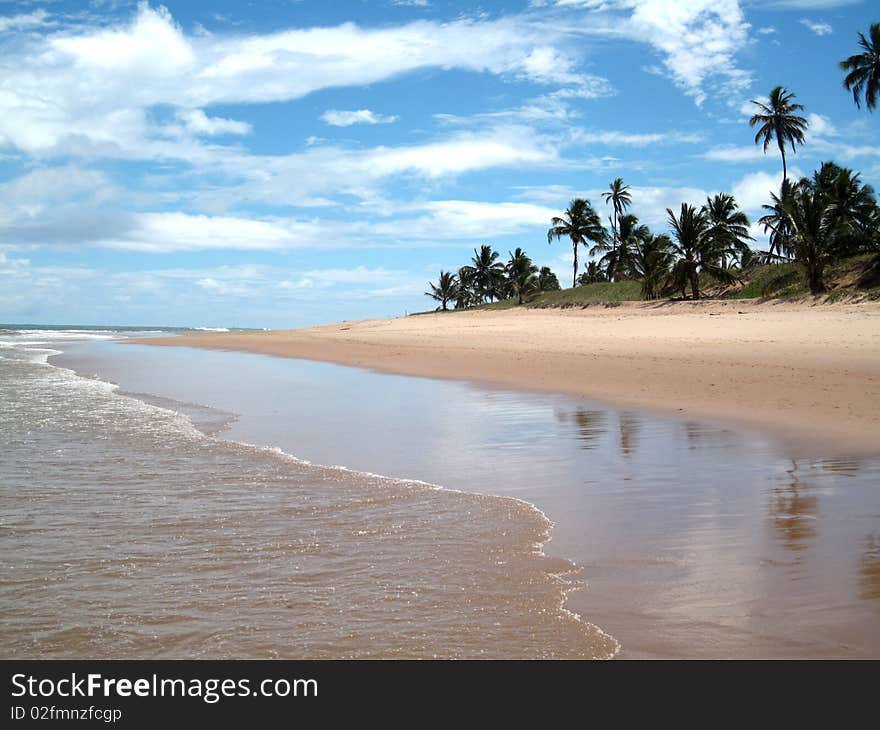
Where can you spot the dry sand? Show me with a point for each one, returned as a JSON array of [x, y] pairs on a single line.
[[812, 372]]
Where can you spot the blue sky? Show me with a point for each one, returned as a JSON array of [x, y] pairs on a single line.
[[279, 164]]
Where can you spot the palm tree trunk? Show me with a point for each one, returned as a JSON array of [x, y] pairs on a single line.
[[614, 244], [575, 277], [784, 167], [695, 282]]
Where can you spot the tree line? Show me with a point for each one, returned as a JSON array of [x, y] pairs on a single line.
[[814, 221]]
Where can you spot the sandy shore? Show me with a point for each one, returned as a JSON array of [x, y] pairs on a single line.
[[812, 372]]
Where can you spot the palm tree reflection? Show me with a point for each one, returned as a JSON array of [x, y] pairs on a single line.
[[869, 568], [589, 425], [794, 510], [629, 429]]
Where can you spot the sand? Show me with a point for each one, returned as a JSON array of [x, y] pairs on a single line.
[[808, 372]]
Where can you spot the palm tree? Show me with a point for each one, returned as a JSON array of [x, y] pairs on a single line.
[[521, 274], [466, 296], [486, 275], [853, 204], [547, 280], [652, 261], [580, 223], [593, 274], [814, 233], [445, 290], [617, 260], [620, 199], [777, 223], [689, 231], [728, 227], [778, 121], [864, 69]]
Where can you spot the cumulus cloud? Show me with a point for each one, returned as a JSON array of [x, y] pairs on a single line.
[[337, 118], [697, 40]]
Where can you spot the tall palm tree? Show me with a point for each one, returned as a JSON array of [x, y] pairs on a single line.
[[580, 223], [521, 274], [486, 275], [777, 120], [445, 290], [620, 199], [728, 228], [864, 69]]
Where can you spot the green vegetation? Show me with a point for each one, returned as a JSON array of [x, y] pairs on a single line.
[[823, 230], [863, 78]]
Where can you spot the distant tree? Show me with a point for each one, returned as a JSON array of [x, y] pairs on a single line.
[[777, 223], [863, 78], [521, 275], [466, 296], [853, 206], [688, 234], [593, 274], [777, 120], [652, 262], [619, 198], [814, 233], [618, 259], [728, 232], [547, 280], [486, 274], [580, 223], [445, 291]]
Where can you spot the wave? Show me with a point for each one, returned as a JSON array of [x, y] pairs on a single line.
[[178, 423]]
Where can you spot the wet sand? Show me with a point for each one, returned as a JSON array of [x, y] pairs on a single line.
[[810, 372]]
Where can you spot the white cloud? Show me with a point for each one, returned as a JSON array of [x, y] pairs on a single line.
[[819, 28], [697, 40], [466, 219], [339, 118], [820, 126], [197, 122], [628, 139], [753, 190], [23, 21], [731, 153]]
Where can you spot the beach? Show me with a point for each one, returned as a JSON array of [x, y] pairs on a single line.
[[314, 509], [809, 373]]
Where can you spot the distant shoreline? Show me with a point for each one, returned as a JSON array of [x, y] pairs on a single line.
[[811, 374]]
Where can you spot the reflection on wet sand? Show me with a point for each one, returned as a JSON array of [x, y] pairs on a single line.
[[845, 466], [705, 435], [793, 511], [629, 430], [869, 568], [590, 425]]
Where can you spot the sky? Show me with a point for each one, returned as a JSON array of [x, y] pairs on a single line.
[[286, 163]]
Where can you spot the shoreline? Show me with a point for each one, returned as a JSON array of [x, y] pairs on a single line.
[[810, 374]]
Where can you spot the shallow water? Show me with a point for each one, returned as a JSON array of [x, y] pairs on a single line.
[[694, 539], [128, 533]]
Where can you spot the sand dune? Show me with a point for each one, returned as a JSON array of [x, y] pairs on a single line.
[[811, 372]]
